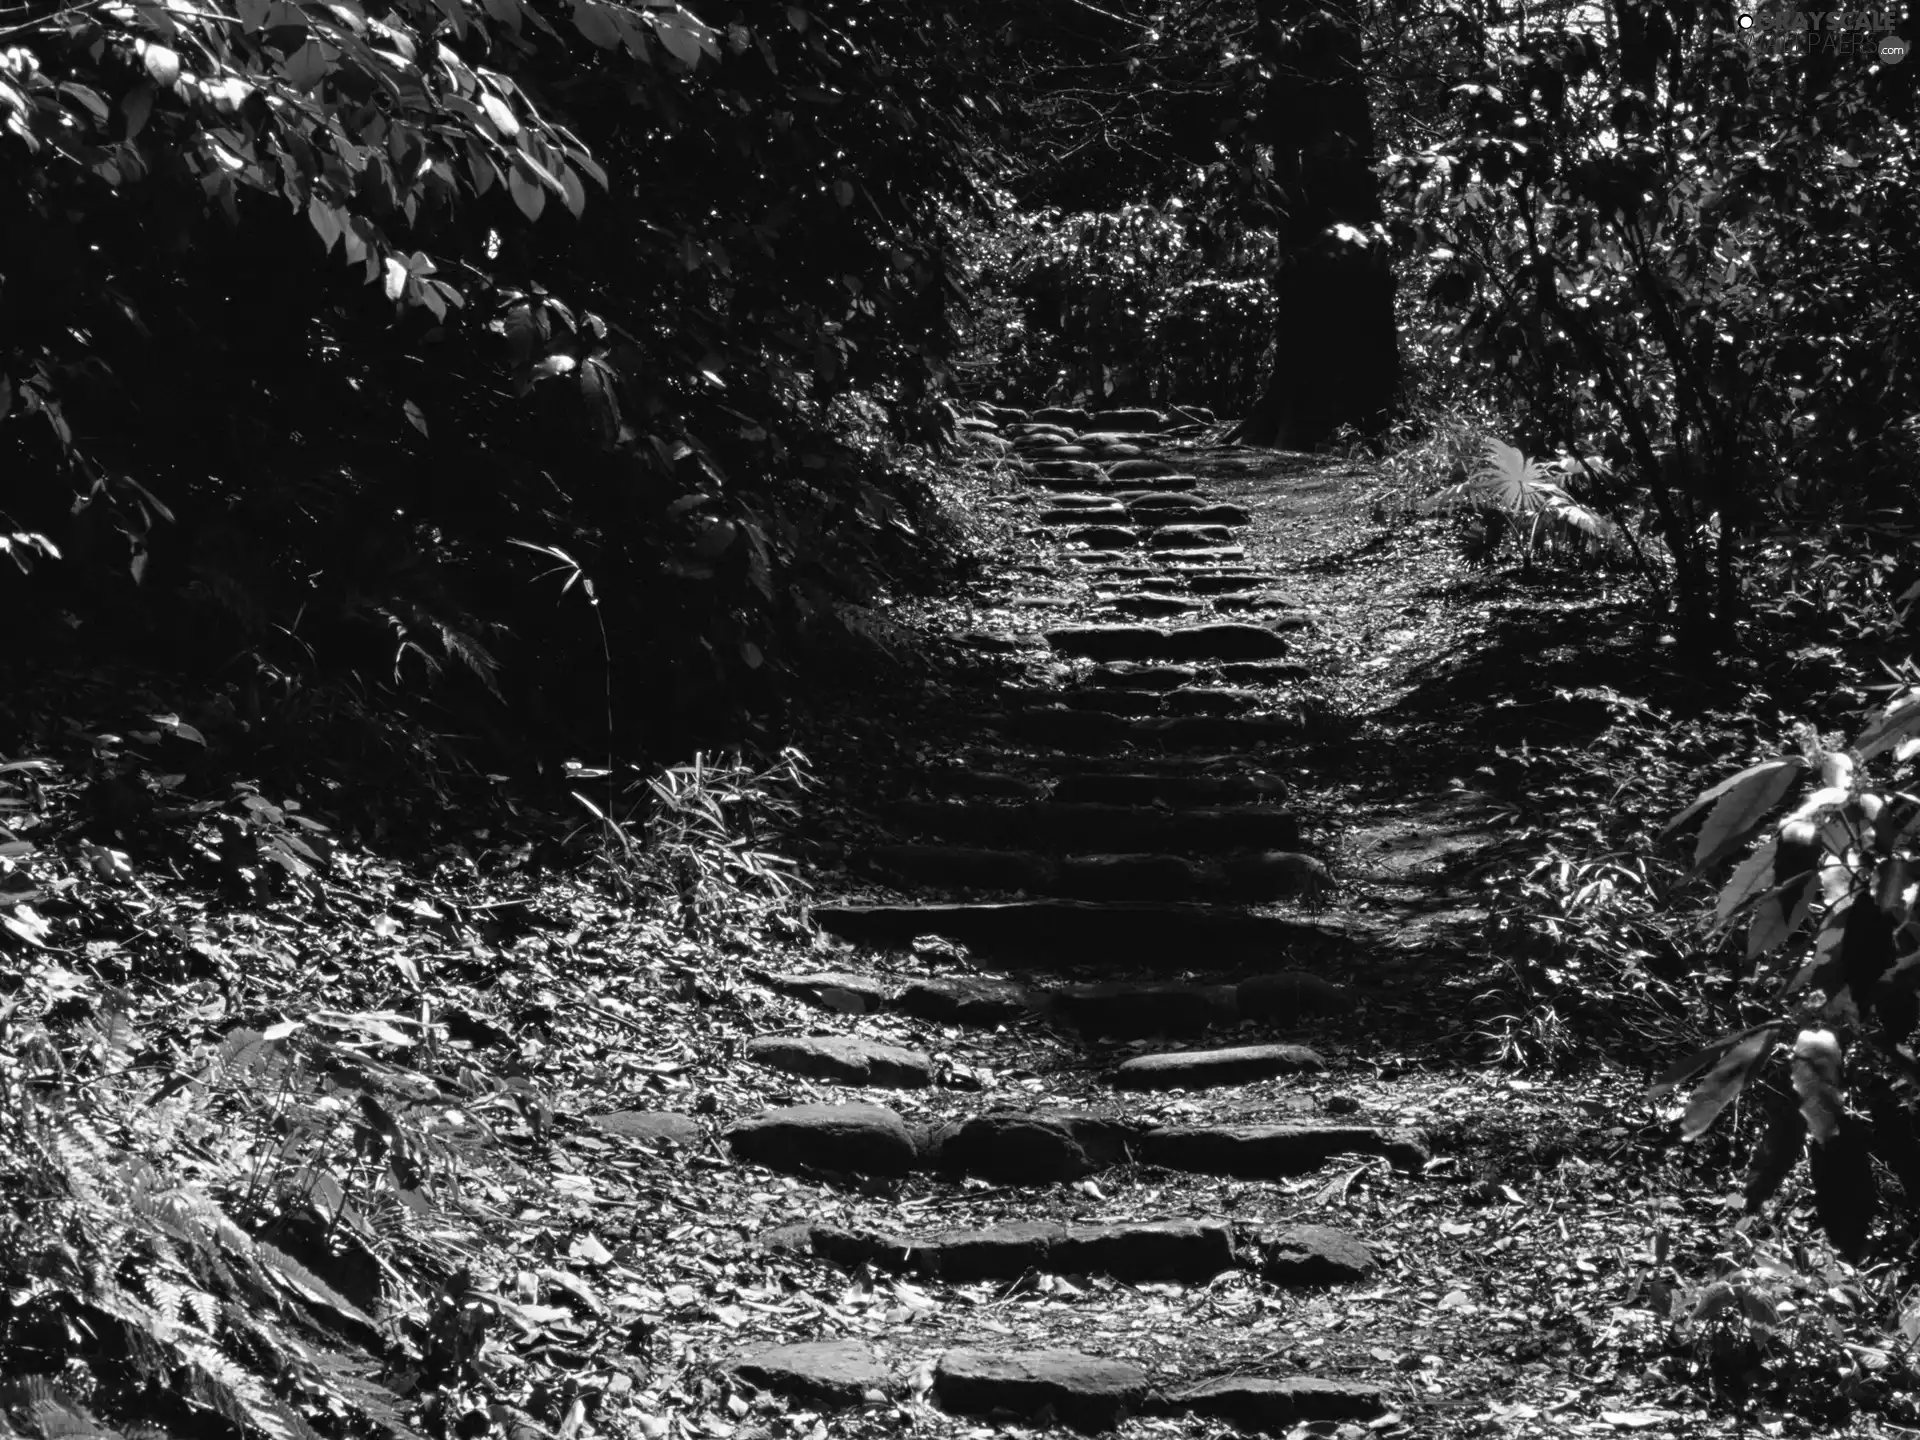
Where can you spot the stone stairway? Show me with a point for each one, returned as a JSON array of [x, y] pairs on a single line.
[[1112, 879]]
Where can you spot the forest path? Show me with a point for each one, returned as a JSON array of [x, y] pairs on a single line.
[[1148, 1090]]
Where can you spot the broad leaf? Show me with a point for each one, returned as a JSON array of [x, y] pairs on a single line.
[[1752, 876], [1709, 796], [1742, 807], [1890, 727], [1724, 1082]]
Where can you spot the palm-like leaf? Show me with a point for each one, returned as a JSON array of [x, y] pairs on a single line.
[[1524, 492]]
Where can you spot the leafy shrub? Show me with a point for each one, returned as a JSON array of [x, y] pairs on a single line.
[[1136, 305], [308, 311], [704, 832], [1670, 294], [1513, 498], [1826, 900]]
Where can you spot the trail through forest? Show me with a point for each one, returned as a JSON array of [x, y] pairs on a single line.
[[1155, 1083]]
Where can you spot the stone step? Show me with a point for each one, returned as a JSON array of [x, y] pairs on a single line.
[[844, 1059], [1219, 641], [1090, 730], [1117, 1010], [1103, 699], [1085, 515], [1050, 470], [1190, 537], [1165, 1250], [1226, 581], [969, 780], [1057, 824], [1134, 675], [1212, 702], [1080, 500], [1085, 1391], [1275, 1405], [1153, 470], [1037, 1147], [1136, 1251], [1209, 1069], [1188, 561], [1081, 478], [1129, 419], [1163, 936], [1166, 502], [1103, 537], [1178, 791], [1153, 603], [1246, 877]]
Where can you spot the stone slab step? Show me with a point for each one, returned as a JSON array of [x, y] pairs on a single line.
[[1192, 560], [844, 1059], [1178, 791], [1275, 1405], [1137, 1009], [1092, 731], [968, 1000], [1136, 1251], [973, 780], [1190, 537], [1129, 419], [1170, 936], [1039, 1147], [1209, 1069], [1268, 1152], [1135, 675], [1085, 516], [1141, 469], [1130, 1010], [1150, 1250], [1134, 704], [1149, 603], [1225, 580], [1103, 537], [847, 993], [825, 1372], [1066, 415], [1069, 825], [1212, 702], [1084, 1391], [1081, 479], [1219, 641], [1247, 877], [1166, 502], [1041, 447], [1067, 469]]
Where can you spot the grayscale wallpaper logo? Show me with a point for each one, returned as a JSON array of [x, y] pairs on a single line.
[[1780, 29]]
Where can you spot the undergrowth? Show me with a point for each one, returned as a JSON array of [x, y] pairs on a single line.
[[272, 1107]]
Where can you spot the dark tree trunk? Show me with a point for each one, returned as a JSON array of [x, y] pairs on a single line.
[[1337, 361]]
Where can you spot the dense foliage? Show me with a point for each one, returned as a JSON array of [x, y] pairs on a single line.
[[309, 310], [1684, 252]]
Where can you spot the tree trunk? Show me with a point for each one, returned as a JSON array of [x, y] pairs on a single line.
[[1337, 361]]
